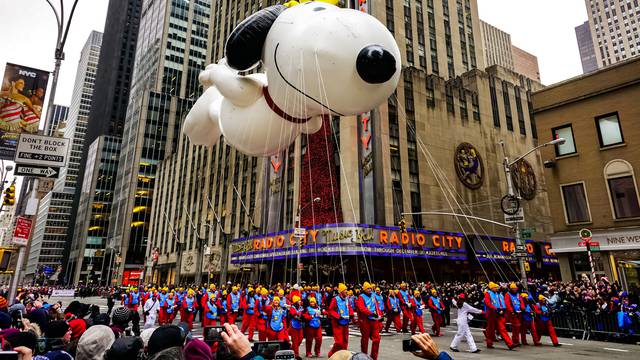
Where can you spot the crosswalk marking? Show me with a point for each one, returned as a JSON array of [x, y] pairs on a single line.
[[614, 349]]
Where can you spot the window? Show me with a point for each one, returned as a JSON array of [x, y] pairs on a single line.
[[622, 189], [566, 132], [609, 131], [576, 207]]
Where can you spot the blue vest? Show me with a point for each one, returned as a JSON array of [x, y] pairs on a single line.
[[544, 316], [417, 309], [515, 302], [394, 302], [436, 303], [343, 310], [235, 301], [315, 317], [295, 323], [223, 309], [370, 303], [134, 298], [277, 319], [190, 302], [170, 302], [380, 301], [405, 296], [126, 299], [213, 311], [162, 299], [251, 305], [261, 307], [497, 300]]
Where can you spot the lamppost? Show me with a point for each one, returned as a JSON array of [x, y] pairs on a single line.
[[507, 164], [63, 31], [298, 270]]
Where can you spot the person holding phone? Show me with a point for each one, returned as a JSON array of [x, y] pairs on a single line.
[[313, 328]]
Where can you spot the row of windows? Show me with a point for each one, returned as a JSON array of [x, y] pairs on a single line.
[[608, 128]]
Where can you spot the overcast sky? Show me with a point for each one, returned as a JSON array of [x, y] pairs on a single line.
[[543, 27]]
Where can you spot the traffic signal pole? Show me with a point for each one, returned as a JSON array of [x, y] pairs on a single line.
[[21, 255]]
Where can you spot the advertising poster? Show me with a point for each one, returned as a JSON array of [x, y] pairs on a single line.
[[22, 96]]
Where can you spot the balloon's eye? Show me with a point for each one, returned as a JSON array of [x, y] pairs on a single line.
[[375, 65]]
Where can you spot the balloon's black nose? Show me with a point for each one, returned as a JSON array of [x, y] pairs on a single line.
[[375, 65]]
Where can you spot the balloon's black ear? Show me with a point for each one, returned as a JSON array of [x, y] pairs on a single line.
[[244, 45]]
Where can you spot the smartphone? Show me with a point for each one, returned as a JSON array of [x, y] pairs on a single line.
[[268, 349], [8, 355], [212, 334], [409, 345], [285, 355]]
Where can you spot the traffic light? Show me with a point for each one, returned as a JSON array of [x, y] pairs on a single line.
[[5, 259], [9, 196], [403, 225]]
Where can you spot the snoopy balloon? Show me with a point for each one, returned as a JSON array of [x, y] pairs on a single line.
[[318, 60]]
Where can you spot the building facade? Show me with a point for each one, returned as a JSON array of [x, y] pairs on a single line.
[[52, 223], [60, 114], [353, 180], [498, 50], [614, 27], [592, 182], [586, 48], [108, 113]]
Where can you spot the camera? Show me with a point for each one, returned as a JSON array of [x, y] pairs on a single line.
[[269, 349], [213, 334], [409, 345]]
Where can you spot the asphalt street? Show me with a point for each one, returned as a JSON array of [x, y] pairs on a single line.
[[391, 344]]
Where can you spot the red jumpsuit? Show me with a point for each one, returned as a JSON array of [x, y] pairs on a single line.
[[170, 309], [528, 323], [263, 305], [416, 304], [495, 308], [313, 330], [340, 312], [393, 313], [210, 309], [369, 314], [277, 324], [407, 312], [189, 305], [249, 305], [544, 323], [296, 327], [233, 307], [514, 310], [435, 308]]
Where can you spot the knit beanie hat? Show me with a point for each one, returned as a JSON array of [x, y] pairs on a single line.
[[120, 315]]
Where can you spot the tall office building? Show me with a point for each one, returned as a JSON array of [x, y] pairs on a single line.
[[60, 114], [353, 180], [173, 47], [498, 50], [106, 123], [585, 46], [613, 25], [54, 213]]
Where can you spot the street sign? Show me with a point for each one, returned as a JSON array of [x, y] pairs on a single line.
[[300, 232], [37, 171], [526, 233], [520, 254], [510, 204], [42, 150], [520, 248], [582, 243], [22, 231], [595, 248], [585, 234], [513, 219]]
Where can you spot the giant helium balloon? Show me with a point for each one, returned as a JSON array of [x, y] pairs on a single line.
[[318, 59]]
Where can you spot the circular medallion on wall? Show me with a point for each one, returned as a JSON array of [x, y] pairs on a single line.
[[469, 166], [524, 179]]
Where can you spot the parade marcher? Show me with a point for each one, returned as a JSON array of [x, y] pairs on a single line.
[[544, 320], [135, 300], [233, 305], [405, 305], [313, 328], [495, 309], [150, 309], [514, 311], [436, 307], [223, 308], [417, 306], [463, 332], [263, 304], [340, 311], [369, 315], [210, 311], [528, 320], [277, 322], [249, 313], [162, 300], [170, 308], [393, 311], [187, 310], [296, 329]]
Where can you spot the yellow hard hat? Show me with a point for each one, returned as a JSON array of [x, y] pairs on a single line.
[[493, 285], [275, 298], [212, 286], [524, 295], [366, 286], [377, 289], [416, 292], [513, 286], [234, 288], [281, 292], [541, 297], [312, 300], [250, 289], [342, 287], [191, 292], [433, 291], [212, 296], [264, 291], [391, 292], [224, 292], [296, 298], [350, 292]]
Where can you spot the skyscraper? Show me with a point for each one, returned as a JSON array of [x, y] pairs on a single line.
[[498, 50], [585, 46], [106, 122], [52, 222], [445, 107], [60, 113], [614, 27]]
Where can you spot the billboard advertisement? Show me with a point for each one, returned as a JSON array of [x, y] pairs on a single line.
[[22, 96]]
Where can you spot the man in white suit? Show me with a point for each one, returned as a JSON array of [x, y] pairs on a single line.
[[464, 315]]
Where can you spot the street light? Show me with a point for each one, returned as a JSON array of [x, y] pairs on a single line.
[[511, 192], [298, 270]]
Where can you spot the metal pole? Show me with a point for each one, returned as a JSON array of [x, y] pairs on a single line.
[[200, 257], [593, 269], [16, 274], [224, 260], [519, 245]]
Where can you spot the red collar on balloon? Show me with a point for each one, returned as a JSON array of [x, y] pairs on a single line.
[[276, 109]]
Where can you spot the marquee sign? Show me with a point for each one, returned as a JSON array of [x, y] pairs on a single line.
[[350, 239]]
